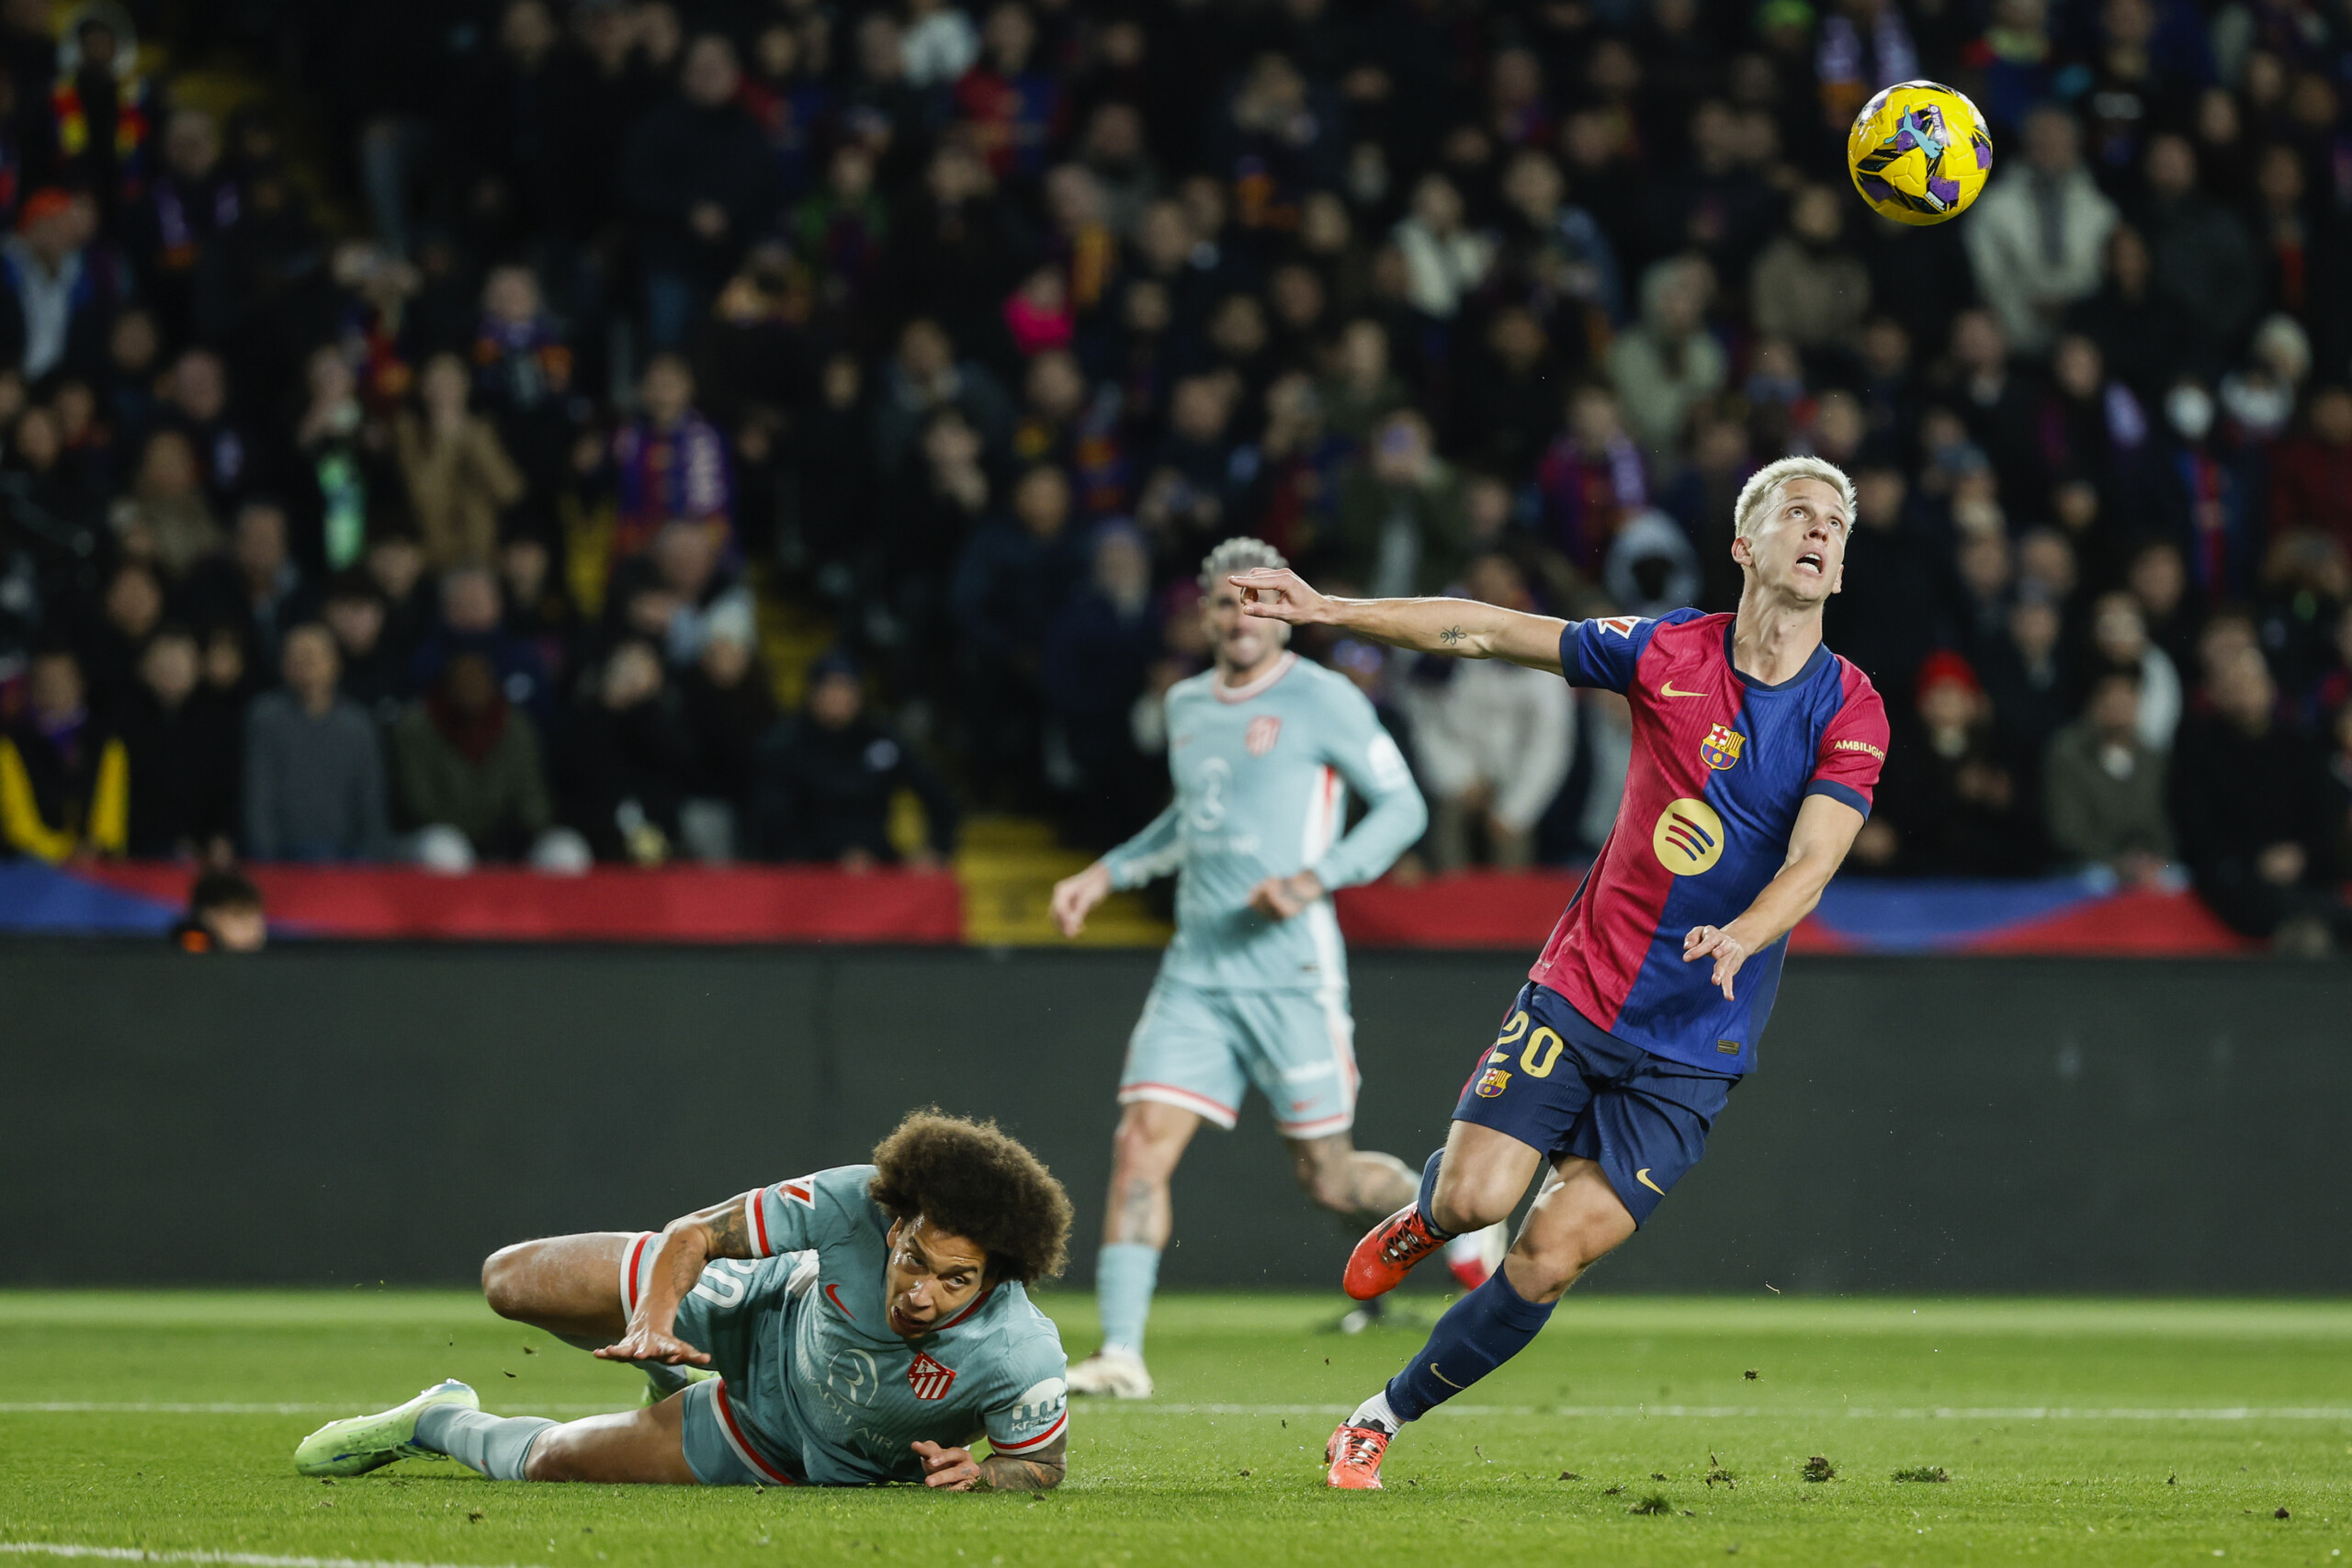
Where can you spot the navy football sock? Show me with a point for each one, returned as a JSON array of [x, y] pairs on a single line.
[[1477, 1333], [1426, 1199]]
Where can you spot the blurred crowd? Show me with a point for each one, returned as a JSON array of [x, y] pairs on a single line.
[[441, 505]]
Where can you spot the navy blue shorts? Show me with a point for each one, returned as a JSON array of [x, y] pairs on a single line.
[[1560, 1084]]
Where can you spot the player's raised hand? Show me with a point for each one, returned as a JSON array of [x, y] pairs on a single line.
[[950, 1470], [1279, 594], [1718, 942], [1075, 895], [645, 1345]]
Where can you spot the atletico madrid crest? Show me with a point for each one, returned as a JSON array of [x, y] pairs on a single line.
[[1263, 731], [1493, 1083], [1721, 748], [930, 1378]]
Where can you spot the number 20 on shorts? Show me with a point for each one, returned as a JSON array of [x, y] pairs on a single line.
[[1541, 1051]]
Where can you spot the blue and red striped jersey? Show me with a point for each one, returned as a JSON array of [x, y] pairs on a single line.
[[1721, 763]]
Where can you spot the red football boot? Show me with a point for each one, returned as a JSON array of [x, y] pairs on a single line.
[[1354, 1454], [1387, 1253]]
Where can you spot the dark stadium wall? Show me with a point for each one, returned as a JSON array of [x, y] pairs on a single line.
[[345, 1115]]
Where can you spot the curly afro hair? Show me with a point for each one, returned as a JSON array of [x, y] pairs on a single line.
[[974, 1179]]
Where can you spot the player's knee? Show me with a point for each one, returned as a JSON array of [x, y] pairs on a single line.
[[502, 1280], [1136, 1155], [1470, 1200], [1329, 1186], [550, 1458], [1541, 1268]]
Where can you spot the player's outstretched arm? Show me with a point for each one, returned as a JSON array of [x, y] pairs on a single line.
[[1817, 846], [954, 1470], [1463, 627], [688, 1243]]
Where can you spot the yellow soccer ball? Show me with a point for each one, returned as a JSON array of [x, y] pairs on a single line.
[[1919, 152]]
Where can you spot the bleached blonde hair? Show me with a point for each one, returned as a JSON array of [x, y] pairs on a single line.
[[1758, 496]]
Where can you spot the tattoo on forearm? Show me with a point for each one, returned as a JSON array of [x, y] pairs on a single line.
[[999, 1474], [729, 1237], [1451, 634]]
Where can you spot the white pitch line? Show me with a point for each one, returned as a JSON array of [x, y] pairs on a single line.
[[1584, 1412], [241, 1558], [147, 1407], [1753, 1412]]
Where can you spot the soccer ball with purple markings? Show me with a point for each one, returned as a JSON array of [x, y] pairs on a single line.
[[1919, 152]]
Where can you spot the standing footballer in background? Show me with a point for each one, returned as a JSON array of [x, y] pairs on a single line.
[[1263, 749], [1756, 751]]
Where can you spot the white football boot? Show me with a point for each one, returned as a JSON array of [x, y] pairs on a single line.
[[1474, 1256], [1115, 1374]]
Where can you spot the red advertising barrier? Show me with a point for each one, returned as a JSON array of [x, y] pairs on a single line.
[[684, 904]]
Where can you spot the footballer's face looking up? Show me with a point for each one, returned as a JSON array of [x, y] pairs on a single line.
[[931, 1276], [1797, 550], [1244, 645]]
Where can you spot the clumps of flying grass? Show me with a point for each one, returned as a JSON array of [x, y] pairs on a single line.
[[1655, 1503], [1819, 1468], [1923, 1472], [1715, 1472]]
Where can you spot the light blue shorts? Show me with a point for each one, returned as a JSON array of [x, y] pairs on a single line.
[[722, 1316], [1200, 1050]]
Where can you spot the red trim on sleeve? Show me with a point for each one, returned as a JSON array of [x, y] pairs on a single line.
[[1060, 1423], [636, 1258], [760, 1223]]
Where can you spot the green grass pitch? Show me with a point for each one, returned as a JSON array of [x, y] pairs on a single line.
[[2072, 1432]]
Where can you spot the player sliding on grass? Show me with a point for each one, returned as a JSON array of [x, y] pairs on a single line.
[[1263, 749], [866, 1325], [1756, 751]]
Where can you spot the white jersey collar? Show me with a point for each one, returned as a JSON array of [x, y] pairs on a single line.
[[1226, 693]]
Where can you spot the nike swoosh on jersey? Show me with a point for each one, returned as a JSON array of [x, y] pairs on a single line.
[[1443, 1379], [1641, 1176], [1667, 691]]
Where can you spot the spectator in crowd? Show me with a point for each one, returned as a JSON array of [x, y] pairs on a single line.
[[182, 744], [259, 586], [1403, 525], [62, 286], [224, 915], [2119, 641], [469, 781], [2249, 807], [1012, 577], [1668, 363], [2204, 264], [166, 519], [1494, 741], [729, 708], [1950, 803], [699, 178], [1806, 288], [2103, 786], [2310, 474], [2038, 235], [458, 476], [671, 461], [1098, 652], [64, 774], [472, 620], [314, 780], [630, 758], [827, 777]]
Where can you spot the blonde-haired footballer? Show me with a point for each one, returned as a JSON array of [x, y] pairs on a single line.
[[1756, 751]]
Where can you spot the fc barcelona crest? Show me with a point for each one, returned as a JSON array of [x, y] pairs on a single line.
[[1722, 746], [1493, 1083], [1263, 731]]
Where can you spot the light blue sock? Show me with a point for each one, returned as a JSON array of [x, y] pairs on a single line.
[[497, 1446], [1126, 1272]]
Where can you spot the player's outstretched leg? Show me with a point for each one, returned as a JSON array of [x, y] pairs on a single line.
[[571, 1286], [1151, 1139], [1467, 1190], [1576, 1219], [358, 1444]]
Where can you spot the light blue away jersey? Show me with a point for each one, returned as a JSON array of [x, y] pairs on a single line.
[[1261, 775], [839, 1396]]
